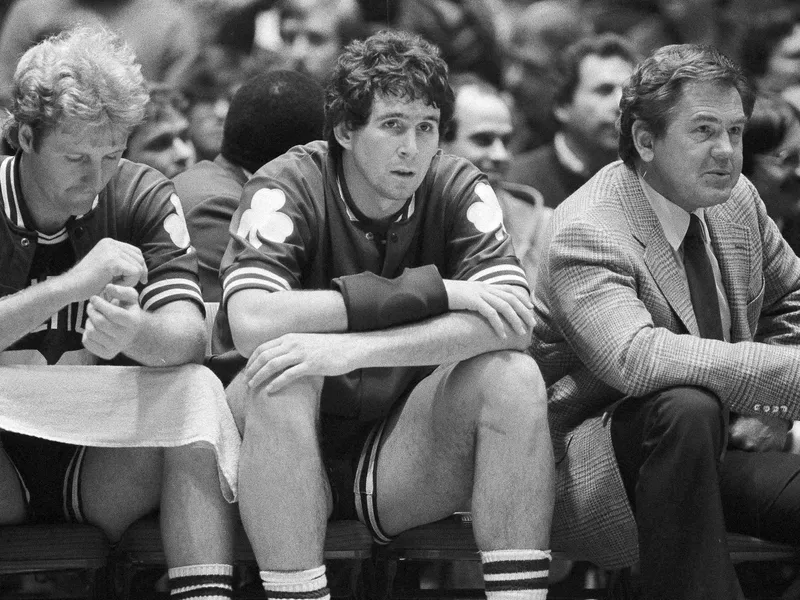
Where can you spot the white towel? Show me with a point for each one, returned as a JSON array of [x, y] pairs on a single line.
[[121, 407]]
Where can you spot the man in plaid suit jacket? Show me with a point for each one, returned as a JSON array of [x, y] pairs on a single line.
[[665, 438]]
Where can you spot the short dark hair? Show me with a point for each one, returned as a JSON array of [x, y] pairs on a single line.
[[770, 122], [269, 114], [460, 81], [388, 63], [657, 84], [761, 38], [606, 45]]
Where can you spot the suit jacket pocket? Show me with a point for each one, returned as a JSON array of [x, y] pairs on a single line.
[[754, 309]]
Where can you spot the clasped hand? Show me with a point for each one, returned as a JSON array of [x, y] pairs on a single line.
[[758, 433], [114, 320], [107, 276]]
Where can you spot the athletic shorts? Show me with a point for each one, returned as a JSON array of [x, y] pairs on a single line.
[[351, 450], [352, 476], [49, 475]]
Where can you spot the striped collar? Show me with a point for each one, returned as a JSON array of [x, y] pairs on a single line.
[[352, 213], [14, 206]]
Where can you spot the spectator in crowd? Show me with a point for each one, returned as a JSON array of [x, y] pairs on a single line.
[[272, 112], [162, 33], [539, 36], [771, 161], [480, 131], [354, 266], [314, 32], [770, 49], [586, 109], [208, 89], [668, 318], [465, 33], [88, 234], [162, 140]]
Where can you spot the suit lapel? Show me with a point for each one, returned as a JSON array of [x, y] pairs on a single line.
[[658, 254], [730, 242]]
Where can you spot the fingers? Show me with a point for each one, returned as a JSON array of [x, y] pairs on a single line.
[[490, 313], [271, 365], [519, 301], [125, 295], [287, 377]]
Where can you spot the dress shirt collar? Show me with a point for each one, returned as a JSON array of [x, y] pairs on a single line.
[[567, 157], [674, 220]]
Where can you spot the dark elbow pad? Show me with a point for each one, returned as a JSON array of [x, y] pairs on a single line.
[[374, 302]]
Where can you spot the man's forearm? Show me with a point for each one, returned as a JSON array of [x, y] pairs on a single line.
[[257, 316], [174, 335], [24, 311], [452, 337]]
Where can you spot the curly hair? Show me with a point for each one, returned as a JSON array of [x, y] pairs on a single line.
[[86, 74], [657, 83], [388, 63]]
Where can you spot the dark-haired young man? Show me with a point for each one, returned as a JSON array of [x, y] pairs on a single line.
[[373, 287]]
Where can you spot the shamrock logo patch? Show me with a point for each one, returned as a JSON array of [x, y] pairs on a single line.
[[486, 214], [262, 222], [175, 224]]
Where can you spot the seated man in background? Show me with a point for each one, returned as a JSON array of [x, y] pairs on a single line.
[[96, 263], [480, 131], [269, 114], [374, 289], [586, 107], [313, 33], [667, 329], [162, 140]]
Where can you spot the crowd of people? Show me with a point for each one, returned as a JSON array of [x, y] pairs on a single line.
[[531, 260]]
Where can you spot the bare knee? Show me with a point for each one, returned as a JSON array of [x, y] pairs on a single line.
[[290, 415], [507, 391]]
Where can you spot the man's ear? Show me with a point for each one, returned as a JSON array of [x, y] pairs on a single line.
[[642, 140], [561, 113], [25, 137], [343, 135]]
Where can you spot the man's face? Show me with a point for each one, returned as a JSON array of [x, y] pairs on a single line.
[[698, 159], [776, 175], [163, 144], [311, 39], [532, 81], [73, 163], [206, 124], [386, 160], [783, 68], [590, 118], [483, 129]]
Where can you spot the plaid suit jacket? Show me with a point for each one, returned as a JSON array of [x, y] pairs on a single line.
[[615, 319]]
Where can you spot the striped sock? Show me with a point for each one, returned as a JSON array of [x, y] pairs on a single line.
[[515, 574], [311, 584], [209, 582]]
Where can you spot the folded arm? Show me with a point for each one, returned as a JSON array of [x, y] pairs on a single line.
[[306, 333]]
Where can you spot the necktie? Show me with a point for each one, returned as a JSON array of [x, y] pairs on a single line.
[[702, 287]]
